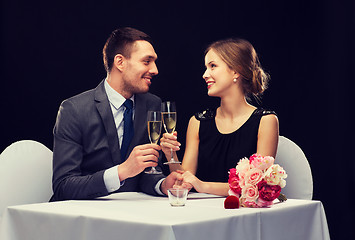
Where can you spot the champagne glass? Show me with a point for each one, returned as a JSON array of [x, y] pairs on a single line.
[[168, 111], [154, 130]]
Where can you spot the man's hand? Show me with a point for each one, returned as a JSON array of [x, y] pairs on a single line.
[[188, 180], [174, 180], [141, 157]]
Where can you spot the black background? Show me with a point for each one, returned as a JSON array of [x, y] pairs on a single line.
[[52, 50]]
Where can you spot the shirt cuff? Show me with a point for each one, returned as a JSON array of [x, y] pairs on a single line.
[[111, 179], [157, 187]]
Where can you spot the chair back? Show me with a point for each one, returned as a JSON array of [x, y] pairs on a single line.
[[25, 174], [299, 182]]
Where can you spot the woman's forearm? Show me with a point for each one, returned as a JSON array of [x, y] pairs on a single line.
[[216, 188]]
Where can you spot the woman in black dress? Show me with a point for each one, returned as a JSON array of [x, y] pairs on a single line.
[[217, 139]]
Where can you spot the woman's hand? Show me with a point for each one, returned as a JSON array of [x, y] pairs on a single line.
[[190, 180], [169, 143]]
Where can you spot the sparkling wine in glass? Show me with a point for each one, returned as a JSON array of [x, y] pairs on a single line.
[[168, 112], [154, 130]]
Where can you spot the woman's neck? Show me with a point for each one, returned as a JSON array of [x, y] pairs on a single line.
[[233, 107]]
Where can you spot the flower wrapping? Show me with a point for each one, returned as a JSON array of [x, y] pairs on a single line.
[[256, 181]]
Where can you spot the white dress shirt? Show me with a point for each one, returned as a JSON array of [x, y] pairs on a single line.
[[111, 178]]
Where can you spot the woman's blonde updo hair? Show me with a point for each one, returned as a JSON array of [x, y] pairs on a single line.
[[240, 56]]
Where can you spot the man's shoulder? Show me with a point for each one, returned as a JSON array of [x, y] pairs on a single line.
[[88, 95], [80, 102], [84, 95]]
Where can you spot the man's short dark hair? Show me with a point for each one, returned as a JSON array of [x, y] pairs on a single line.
[[121, 41]]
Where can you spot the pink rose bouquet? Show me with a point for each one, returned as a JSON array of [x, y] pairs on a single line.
[[256, 181]]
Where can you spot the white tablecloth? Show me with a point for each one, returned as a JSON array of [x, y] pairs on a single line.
[[139, 216]]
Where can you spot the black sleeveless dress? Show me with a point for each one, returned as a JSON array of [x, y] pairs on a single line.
[[220, 152]]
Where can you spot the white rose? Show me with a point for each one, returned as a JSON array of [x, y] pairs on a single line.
[[275, 175]]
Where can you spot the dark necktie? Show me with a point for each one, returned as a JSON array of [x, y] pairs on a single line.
[[128, 130]]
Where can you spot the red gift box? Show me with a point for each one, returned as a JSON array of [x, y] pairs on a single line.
[[231, 202]]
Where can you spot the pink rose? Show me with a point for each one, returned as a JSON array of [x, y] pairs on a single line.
[[268, 192], [232, 173], [234, 182], [250, 193], [254, 157], [260, 162], [253, 176], [268, 162], [250, 204]]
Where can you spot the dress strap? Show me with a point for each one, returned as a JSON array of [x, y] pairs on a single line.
[[211, 113], [263, 112], [206, 114]]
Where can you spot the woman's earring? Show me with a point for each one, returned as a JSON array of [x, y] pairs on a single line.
[[235, 80]]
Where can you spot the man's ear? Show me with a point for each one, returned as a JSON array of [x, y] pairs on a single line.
[[119, 62]]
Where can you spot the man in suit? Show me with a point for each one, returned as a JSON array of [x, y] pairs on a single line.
[[91, 154]]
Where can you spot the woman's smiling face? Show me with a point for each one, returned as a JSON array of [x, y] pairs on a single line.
[[218, 76]]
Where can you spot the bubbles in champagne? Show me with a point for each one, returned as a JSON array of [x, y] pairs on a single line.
[[154, 128], [169, 119]]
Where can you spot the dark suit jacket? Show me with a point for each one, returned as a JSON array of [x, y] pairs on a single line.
[[86, 144]]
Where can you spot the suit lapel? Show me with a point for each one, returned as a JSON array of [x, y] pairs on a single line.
[[103, 106]]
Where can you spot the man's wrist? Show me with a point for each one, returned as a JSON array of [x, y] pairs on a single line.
[[122, 173], [162, 187]]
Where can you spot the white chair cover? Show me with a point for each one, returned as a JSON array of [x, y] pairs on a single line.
[[25, 174], [299, 182]]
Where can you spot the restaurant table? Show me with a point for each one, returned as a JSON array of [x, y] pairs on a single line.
[[134, 215]]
